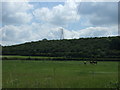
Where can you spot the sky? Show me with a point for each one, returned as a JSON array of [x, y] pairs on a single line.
[[32, 21]]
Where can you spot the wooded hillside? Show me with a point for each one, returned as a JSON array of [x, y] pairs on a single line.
[[103, 47]]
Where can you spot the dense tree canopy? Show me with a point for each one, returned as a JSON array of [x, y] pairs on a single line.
[[83, 47]]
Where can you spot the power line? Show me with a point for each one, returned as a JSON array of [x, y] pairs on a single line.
[[62, 33]]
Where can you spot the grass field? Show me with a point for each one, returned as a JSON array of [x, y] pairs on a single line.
[[59, 74]]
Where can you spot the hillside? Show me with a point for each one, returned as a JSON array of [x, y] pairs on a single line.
[[103, 47]]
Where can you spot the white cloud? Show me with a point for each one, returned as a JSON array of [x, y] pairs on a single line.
[[58, 15], [92, 32], [99, 31], [16, 13], [16, 17], [12, 34], [25, 33]]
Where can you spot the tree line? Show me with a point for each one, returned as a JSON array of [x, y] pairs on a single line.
[[98, 47]]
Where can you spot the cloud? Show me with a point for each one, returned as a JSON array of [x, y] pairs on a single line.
[[99, 31], [91, 32], [19, 28], [58, 15], [12, 34], [25, 33], [16, 13], [99, 13]]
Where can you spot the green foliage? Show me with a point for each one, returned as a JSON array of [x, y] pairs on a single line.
[[78, 48], [115, 43]]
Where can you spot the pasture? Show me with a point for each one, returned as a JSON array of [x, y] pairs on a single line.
[[58, 74]]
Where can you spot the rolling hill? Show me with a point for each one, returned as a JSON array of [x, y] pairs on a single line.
[[102, 47]]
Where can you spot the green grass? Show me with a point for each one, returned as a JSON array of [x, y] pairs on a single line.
[[24, 57], [16, 57], [59, 74]]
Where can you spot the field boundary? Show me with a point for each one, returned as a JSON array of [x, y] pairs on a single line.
[[57, 58]]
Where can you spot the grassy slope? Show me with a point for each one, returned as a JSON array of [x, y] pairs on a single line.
[[66, 74]]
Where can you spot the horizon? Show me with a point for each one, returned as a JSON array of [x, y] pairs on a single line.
[[60, 40]]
